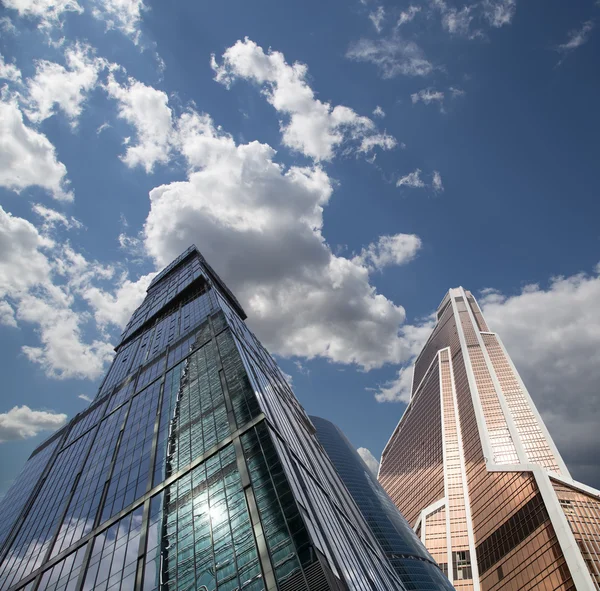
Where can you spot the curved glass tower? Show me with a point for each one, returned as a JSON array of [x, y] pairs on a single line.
[[411, 561]]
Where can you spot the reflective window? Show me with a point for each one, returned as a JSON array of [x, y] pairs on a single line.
[[243, 400], [63, 575], [31, 544], [196, 411], [200, 535], [132, 464], [86, 422], [285, 533], [83, 507], [113, 561], [18, 494]]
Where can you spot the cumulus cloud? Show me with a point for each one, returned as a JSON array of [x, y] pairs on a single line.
[[408, 15], [260, 225], [378, 112], [436, 183], [20, 422], [393, 56], [389, 250], [369, 459], [7, 314], [116, 307], [123, 15], [45, 282], [7, 26], [412, 180], [52, 218], [313, 128], [27, 158], [64, 87], [9, 71], [146, 110], [398, 389], [47, 12], [377, 17], [85, 397], [553, 336]]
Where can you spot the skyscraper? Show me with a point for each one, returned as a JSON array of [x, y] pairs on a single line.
[[473, 468], [413, 564], [195, 467]]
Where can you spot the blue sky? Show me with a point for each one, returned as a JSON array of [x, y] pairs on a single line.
[[340, 164]]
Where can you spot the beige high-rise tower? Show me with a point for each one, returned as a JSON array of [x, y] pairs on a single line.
[[473, 468]]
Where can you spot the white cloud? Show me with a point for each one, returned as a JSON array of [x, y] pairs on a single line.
[[146, 110], [27, 158], [499, 12], [9, 71], [20, 422], [63, 353], [456, 92], [117, 307], [378, 140], [428, 96], [103, 127], [553, 337], [369, 459], [408, 15], [398, 389], [85, 397], [314, 128], [7, 26], [31, 266], [377, 17], [47, 12], [124, 15], [412, 180], [52, 218], [389, 250], [436, 183], [392, 56], [415, 337], [65, 87], [260, 225], [378, 112], [7, 314], [133, 246], [577, 37], [455, 21]]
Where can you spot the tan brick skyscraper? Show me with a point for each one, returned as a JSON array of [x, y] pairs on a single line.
[[473, 468]]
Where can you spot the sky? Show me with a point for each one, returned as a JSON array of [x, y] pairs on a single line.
[[341, 164]]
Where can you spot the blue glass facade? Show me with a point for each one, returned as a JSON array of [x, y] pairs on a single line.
[[195, 467], [411, 561]]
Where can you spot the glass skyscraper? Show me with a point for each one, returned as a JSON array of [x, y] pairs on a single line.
[[195, 467], [411, 561], [473, 468]]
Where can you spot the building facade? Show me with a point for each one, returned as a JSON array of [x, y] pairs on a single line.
[[413, 564], [474, 470], [195, 467]]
